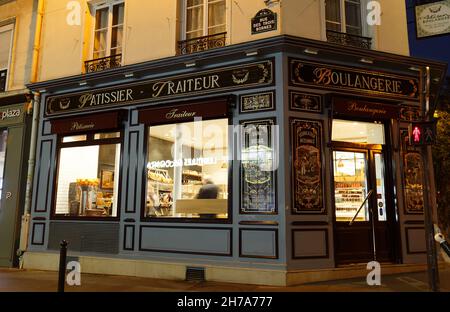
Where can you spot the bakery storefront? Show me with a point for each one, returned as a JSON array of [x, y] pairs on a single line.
[[240, 170]]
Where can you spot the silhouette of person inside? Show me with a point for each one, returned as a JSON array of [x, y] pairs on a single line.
[[209, 190]]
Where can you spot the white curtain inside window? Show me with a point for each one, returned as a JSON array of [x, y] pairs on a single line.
[[194, 18], [216, 16], [101, 33], [205, 17], [117, 29], [5, 45]]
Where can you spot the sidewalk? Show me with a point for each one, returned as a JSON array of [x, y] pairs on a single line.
[[39, 281]]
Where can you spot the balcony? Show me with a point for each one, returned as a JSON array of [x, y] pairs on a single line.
[[201, 43], [349, 39], [103, 63]]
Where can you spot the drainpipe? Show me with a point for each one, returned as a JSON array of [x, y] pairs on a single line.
[[34, 127], [37, 41]]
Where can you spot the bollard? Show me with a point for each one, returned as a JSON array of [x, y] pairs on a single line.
[[62, 266]]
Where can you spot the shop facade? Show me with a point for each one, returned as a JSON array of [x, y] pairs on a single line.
[[245, 163], [15, 129]]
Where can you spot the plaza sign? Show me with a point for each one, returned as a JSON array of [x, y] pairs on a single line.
[[433, 19]]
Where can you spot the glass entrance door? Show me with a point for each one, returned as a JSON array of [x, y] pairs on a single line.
[[361, 214], [364, 219]]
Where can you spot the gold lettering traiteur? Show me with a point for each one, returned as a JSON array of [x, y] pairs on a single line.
[[185, 86]]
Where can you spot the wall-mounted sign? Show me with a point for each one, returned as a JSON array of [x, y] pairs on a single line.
[[307, 177], [265, 20], [433, 19], [344, 78], [258, 172], [211, 81], [107, 121], [11, 114], [300, 101], [351, 107], [217, 108], [257, 102]]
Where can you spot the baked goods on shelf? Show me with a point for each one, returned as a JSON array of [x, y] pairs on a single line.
[[159, 175]]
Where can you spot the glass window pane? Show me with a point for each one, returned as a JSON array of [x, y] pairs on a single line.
[[194, 2], [5, 46], [116, 36], [118, 14], [99, 54], [187, 170], [354, 30], [195, 34], [194, 19], [350, 185], [100, 40], [358, 132], [334, 26], [88, 181], [333, 10], [3, 142], [74, 138], [116, 51], [381, 194], [353, 14], [101, 18], [216, 30], [111, 135], [216, 13]]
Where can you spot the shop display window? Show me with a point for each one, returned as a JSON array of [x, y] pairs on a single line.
[[88, 175], [350, 185], [187, 170]]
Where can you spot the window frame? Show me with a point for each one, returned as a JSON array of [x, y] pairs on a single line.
[[5, 28], [205, 19], [98, 5], [343, 17], [228, 220], [90, 141]]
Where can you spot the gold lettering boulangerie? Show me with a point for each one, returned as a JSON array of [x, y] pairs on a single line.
[[326, 76]]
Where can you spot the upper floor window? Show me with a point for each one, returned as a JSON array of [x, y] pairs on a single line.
[[108, 29], [345, 23], [344, 16], [204, 25], [6, 39], [204, 18]]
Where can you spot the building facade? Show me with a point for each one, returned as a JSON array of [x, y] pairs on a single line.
[[17, 20], [243, 141]]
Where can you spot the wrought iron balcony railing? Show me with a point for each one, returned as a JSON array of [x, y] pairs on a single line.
[[349, 39], [103, 63], [201, 43]]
